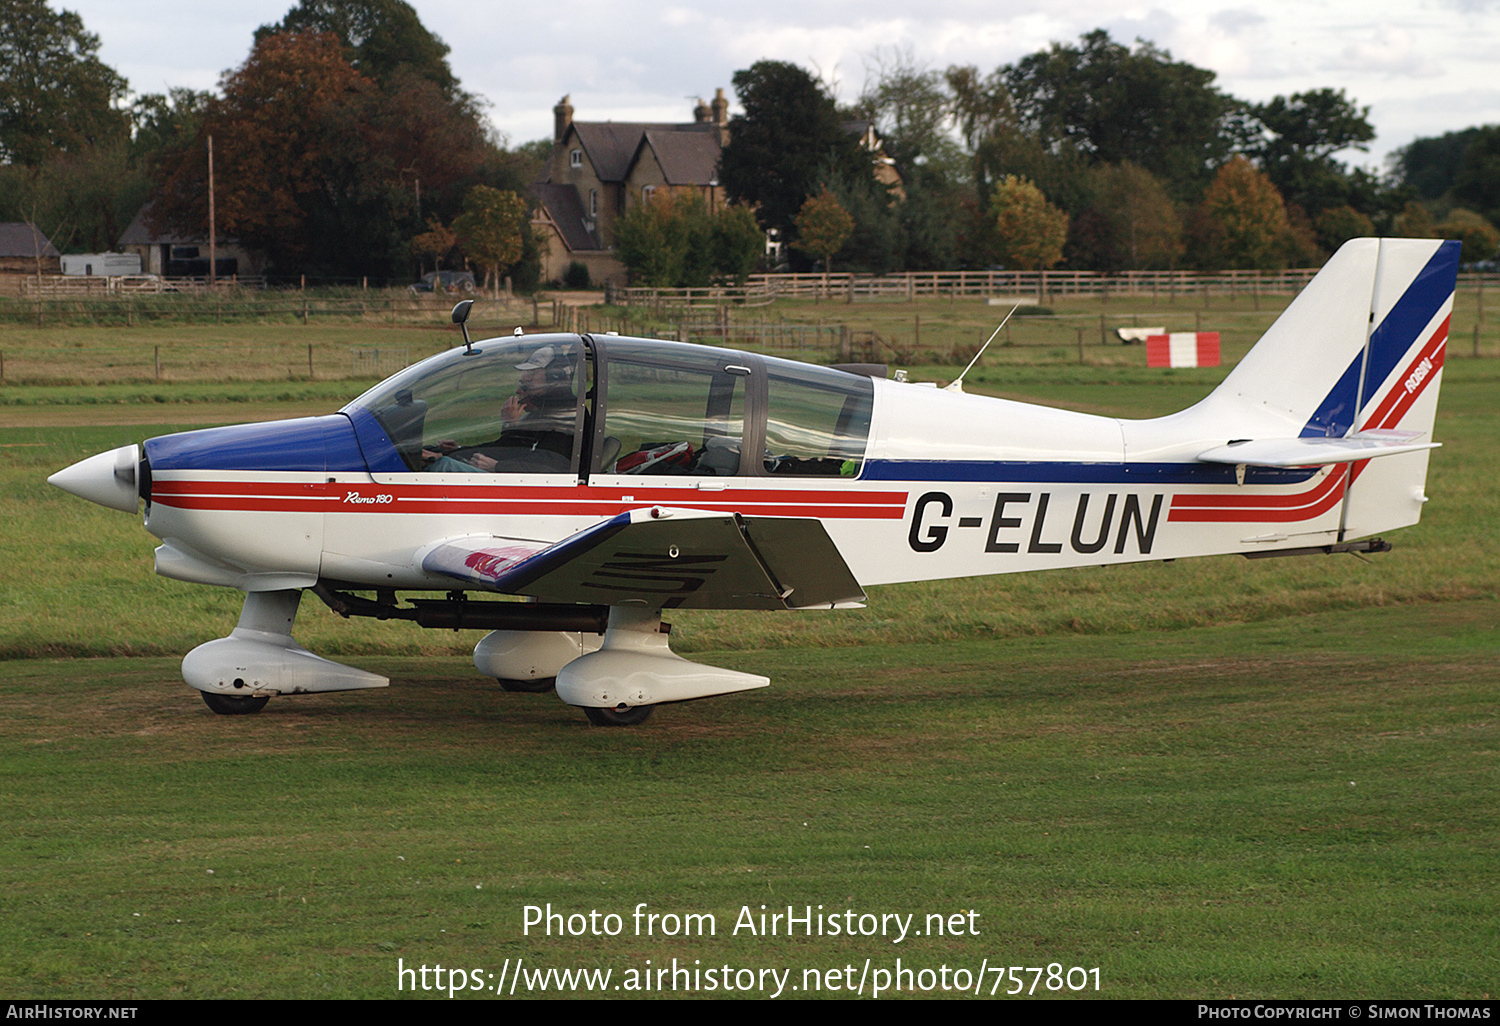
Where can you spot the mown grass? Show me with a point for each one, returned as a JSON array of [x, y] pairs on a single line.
[[1294, 809]]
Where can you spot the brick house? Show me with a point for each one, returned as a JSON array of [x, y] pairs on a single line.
[[601, 169]]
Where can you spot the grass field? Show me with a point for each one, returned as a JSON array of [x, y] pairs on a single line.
[[1208, 778]]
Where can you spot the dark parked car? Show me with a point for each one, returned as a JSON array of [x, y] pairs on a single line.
[[444, 281]]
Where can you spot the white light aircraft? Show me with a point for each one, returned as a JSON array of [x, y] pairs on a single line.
[[604, 479]]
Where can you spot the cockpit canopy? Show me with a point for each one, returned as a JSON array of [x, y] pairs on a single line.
[[622, 406]]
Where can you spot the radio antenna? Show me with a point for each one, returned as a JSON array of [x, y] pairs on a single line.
[[957, 384]]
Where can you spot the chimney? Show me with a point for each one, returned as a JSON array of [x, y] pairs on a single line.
[[702, 115], [562, 117], [720, 108]]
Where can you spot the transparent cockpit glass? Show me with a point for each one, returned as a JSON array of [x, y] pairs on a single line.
[[818, 421], [686, 416], [509, 407]]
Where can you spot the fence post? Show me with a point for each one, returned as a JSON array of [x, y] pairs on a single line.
[[1080, 345], [157, 358], [1103, 338], [1476, 339], [309, 362]]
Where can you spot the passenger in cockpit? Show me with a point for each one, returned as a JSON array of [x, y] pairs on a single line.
[[539, 422]]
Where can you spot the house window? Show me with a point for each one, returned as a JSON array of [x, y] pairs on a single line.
[[575, 158], [646, 193], [593, 202]]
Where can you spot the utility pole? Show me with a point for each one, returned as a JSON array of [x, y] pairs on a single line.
[[213, 249]]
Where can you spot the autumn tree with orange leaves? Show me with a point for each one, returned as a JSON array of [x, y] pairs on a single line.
[[325, 169]]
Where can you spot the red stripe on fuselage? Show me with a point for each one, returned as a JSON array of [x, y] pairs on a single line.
[[1258, 509], [502, 500]]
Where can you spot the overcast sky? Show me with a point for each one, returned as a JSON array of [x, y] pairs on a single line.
[[1424, 67]]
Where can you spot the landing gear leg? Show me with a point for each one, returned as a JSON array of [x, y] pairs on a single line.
[[635, 670], [259, 659]]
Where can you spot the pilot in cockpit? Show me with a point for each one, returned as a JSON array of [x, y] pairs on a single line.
[[538, 421]]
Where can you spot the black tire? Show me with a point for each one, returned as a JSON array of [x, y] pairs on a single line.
[[231, 705], [625, 716], [536, 686]]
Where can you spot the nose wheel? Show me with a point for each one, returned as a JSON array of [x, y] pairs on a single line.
[[230, 705]]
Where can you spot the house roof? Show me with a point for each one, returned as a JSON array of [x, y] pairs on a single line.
[[686, 158], [19, 239], [138, 234], [565, 206], [612, 145]]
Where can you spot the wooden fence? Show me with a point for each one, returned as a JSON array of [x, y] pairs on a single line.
[[762, 289]]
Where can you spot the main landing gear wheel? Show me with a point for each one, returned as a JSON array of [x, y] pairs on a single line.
[[534, 686], [229, 705], [624, 716]]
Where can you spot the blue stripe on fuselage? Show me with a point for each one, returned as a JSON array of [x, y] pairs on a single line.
[[1143, 475]]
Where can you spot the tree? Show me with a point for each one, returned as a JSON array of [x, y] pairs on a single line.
[[384, 38], [492, 231], [435, 243], [326, 169], [1030, 231], [1478, 236], [739, 244], [1130, 223], [1477, 182], [788, 139], [675, 242], [1429, 165], [55, 93], [287, 147], [1414, 222], [1116, 103], [822, 226], [1301, 135], [1337, 225], [911, 111], [1242, 220]]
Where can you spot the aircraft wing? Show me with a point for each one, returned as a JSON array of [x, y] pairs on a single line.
[[663, 557], [1310, 452]]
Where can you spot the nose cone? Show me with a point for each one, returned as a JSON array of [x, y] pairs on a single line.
[[108, 478]]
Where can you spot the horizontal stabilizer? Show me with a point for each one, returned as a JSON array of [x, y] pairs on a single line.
[[1312, 452], [663, 557]]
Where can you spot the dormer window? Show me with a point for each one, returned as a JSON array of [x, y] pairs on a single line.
[[575, 158], [647, 191]]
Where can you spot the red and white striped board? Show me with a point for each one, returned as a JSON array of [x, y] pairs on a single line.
[[1183, 349]]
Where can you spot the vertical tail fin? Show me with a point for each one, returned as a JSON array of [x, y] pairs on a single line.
[[1400, 373], [1360, 349]]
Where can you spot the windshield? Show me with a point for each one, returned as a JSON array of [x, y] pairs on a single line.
[[510, 406]]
